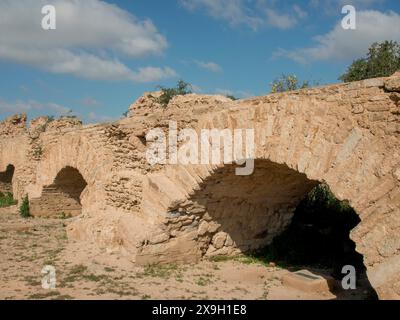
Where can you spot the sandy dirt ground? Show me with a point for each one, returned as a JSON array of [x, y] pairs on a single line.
[[83, 272]]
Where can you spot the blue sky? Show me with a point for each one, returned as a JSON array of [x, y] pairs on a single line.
[[104, 54]]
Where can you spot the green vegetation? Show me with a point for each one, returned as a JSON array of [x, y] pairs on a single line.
[[64, 215], [318, 234], [204, 280], [7, 200], [182, 88], [37, 151], [382, 60], [288, 83], [41, 296], [24, 208], [160, 271], [232, 97]]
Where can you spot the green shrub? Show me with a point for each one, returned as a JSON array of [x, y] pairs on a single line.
[[182, 88], [232, 97], [288, 83], [24, 208], [7, 200], [318, 234], [382, 60], [64, 215]]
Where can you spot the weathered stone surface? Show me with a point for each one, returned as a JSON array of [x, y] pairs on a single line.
[[346, 135], [219, 240], [393, 84]]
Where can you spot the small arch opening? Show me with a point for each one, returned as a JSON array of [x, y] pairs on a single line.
[[63, 197], [6, 188]]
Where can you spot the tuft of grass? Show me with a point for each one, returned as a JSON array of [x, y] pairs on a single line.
[[41, 296], [7, 200], [203, 281], [94, 278], [64, 215], [262, 257], [160, 271]]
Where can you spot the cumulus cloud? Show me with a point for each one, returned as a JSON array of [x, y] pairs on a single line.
[[151, 74], [340, 44], [210, 66], [90, 102], [334, 7], [235, 12], [32, 105], [240, 12], [89, 36], [93, 117], [281, 21]]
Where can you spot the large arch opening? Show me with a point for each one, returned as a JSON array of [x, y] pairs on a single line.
[[63, 197], [277, 214]]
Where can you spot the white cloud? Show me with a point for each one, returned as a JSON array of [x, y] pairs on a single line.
[[150, 74], [90, 102], [210, 66], [240, 12], [234, 12], [334, 7], [340, 44], [280, 21], [89, 34], [300, 12], [32, 105], [97, 118], [197, 89]]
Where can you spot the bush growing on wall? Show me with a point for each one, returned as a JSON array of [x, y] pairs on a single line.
[[182, 88]]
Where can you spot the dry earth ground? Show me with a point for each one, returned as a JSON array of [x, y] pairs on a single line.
[[26, 245]]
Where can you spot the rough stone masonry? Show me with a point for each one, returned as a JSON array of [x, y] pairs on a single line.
[[346, 135]]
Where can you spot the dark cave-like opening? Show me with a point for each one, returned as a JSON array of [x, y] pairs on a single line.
[[319, 236]]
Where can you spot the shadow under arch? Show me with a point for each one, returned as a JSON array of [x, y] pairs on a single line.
[[255, 214], [62, 197], [6, 178]]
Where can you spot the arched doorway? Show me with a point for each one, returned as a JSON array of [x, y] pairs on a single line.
[[270, 215], [6, 188], [6, 179], [62, 197]]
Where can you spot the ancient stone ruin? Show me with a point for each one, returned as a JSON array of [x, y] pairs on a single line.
[[345, 135]]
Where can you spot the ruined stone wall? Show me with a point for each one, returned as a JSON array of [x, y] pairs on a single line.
[[345, 135]]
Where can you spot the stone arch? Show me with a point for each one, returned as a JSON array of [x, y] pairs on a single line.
[[245, 213], [80, 152], [314, 138], [62, 197]]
